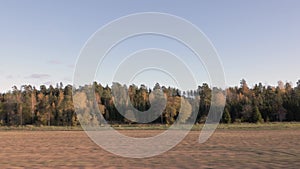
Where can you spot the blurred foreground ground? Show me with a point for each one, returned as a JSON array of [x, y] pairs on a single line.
[[225, 149]]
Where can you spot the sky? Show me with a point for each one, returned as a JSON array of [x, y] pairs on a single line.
[[41, 40]]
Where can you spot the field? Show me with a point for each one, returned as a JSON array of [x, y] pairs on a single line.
[[227, 148]]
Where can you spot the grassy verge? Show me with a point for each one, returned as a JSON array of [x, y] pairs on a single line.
[[240, 126], [262, 126], [41, 128]]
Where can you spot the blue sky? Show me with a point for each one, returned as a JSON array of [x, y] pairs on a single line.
[[256, 40]]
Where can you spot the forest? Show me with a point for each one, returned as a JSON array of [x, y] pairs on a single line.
[[53, 106]]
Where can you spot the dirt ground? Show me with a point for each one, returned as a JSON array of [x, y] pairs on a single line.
[[225, 149]]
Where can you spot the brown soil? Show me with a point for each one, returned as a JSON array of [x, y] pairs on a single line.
[[225, 149]]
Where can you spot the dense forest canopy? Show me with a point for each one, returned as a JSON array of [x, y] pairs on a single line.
[[54, 105]]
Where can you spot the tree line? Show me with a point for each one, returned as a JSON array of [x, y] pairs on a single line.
[[53, 106]]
